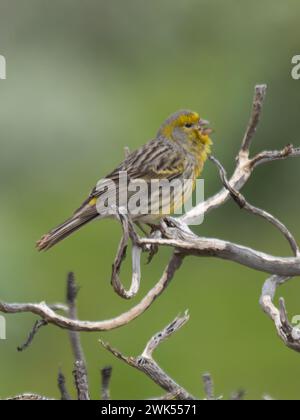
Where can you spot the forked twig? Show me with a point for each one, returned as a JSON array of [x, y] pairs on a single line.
[[245, 205], [146, 364]]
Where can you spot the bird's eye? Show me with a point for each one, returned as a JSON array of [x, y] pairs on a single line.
[[188, 125]]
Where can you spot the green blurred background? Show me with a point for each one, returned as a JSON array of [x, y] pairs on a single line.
[[85, 79]]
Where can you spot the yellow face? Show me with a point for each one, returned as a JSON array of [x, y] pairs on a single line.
[[186, 127]]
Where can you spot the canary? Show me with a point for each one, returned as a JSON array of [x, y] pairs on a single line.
[[178, 152]]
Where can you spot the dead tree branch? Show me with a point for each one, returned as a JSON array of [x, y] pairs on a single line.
[[244, 204], [175, 233], [128, 233], [81, 381], [45, 312], [146, 364], [105, 381], [288, 334], [61, 382]]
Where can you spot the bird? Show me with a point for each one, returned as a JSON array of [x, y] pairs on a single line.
[[177, 153]]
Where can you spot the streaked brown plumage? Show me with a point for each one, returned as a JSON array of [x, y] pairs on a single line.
[[178, 152]]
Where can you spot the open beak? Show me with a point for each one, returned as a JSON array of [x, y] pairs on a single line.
[[204, 127]]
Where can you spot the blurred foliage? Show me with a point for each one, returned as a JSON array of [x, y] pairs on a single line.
[[86, 79]]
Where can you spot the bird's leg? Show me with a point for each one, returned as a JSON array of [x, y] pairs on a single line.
[[155, 233]]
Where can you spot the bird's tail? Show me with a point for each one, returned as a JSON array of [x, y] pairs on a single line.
[[62, 231]]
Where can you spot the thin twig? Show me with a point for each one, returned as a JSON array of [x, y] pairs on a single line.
[[105, 381], [288, 151], [29, 397], [128, 232], [259, 96], [245, 205], [161, 336], [43, 310], [35, 329], [146, 364], [61, 381], [208, 386]]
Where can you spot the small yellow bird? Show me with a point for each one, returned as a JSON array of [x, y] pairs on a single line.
[[178, 152]]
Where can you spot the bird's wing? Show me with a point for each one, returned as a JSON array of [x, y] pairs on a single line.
[[158, 159]]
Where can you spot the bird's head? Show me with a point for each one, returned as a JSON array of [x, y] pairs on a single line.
[[187, 128]]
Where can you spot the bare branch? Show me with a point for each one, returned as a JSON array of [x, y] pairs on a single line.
[[61, 381], [36, 327], [271, 156], [72, 291], [158, 338], [105, 376], [289, 335], [128, 232], [243, 204], [245, 166], [46, 313], [208, 386], [210, 247], [59, 307], [176, 233], [259, 96], [240, 177], [81, 381], [29, 397], [146, 364]]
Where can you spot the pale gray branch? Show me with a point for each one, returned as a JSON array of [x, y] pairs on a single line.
[[29, 397], [271, 156], [289, 335], [210, 247], [258, 100], [128, 232], [244, 204], [46, 313], [157, 339], [146, 364]]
